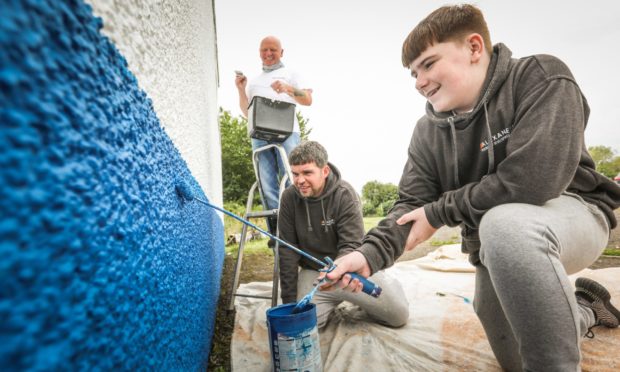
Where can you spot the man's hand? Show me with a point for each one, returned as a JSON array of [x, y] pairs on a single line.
[[301, 96], [352, 262], [281, 87], [421, 229], [241, 81]]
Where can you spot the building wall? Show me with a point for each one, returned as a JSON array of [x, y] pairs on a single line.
[[170, 46], [103, 266]]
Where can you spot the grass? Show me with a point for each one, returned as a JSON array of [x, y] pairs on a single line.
[[612, 252], [439, 243], [254, 246], [370, 222]]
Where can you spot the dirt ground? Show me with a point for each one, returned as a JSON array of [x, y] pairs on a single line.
[[255, 267], [258, 267]]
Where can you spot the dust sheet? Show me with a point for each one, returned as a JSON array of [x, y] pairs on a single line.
[[442, 334]]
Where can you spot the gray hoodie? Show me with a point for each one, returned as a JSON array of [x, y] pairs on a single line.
[[329, 225], [522, 143]]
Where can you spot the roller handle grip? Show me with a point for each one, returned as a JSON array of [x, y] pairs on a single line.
[[369, 287]]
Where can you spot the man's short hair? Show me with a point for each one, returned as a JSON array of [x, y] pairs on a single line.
[[308, 152], [448, 23]]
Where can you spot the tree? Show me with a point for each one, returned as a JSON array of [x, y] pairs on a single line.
[[605, 160], [601, 154], [237, 170], [378, 198], [304, 129]]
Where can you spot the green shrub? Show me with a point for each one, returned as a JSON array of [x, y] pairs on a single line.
[[378, 198]]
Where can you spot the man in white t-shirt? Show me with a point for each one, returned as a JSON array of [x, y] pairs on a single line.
[[279, 83]]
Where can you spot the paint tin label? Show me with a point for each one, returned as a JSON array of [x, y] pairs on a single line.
[[299, 353]]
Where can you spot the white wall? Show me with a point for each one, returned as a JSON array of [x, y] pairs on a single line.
[[170, 46]]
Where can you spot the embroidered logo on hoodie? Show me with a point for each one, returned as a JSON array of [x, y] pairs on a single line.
[[498, 138], [329, 222]]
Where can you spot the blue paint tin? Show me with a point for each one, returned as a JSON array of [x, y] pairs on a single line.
[[294, 338]]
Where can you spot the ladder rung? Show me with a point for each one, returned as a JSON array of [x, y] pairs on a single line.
[[253, 296], [267, 213]]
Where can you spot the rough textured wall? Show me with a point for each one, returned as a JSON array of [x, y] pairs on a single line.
[[170, 46], [103, 267]]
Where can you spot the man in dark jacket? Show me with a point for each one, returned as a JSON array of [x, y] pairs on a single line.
[[321, 214], [501, 153]]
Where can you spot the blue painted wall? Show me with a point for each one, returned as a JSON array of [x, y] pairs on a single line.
[[102, 266]]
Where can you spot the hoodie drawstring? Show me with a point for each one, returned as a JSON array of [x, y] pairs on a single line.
[[308, 215], [490, 150], [454, 152], [324, 219]]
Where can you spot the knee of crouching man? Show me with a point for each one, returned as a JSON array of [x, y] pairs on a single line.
[[399, 316], [500, 222]]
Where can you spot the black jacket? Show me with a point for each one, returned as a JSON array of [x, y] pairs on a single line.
[[330, 225], [522, 143]]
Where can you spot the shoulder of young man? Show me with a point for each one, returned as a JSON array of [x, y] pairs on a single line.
[[542, 66]]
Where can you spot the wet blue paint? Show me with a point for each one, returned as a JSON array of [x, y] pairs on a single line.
[[103, 267], [303, 303], [294, 338], [465, 299]]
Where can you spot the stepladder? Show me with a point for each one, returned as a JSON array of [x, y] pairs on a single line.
[[250, 213]]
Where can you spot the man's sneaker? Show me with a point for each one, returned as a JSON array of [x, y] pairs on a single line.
[[594, 296]]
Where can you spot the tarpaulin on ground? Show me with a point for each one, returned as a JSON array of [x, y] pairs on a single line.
[[442, 334]]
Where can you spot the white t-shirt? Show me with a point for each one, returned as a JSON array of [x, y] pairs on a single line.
[[261, 86]]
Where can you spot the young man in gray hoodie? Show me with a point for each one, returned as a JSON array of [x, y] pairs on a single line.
[[321, 215], [501, 153]]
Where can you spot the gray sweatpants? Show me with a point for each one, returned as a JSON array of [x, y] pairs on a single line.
[[391, 308], [523, 295]]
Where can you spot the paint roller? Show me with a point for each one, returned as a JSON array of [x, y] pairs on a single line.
[[185, 193]]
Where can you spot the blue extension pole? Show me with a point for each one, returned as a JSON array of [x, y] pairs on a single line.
[[186, 193]]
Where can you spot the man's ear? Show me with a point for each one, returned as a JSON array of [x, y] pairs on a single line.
[[326, 170], [475, 43]]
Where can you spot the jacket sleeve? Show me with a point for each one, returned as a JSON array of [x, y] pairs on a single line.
[[542, 156], [350, 223], [289, 260], [418, 186]]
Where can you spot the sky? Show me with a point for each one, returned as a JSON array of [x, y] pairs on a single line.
[[365, 105]]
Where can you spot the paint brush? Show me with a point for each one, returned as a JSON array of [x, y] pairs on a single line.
[[307, 298]]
